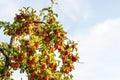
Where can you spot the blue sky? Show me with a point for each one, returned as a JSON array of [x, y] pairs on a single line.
[[93, 24]]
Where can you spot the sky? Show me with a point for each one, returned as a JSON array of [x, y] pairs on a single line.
[[93, 24]]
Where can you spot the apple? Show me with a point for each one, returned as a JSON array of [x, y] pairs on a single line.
[[56, 46], [24, 16], [29, 50], [18, 17], [27, 24], [20, 58], [29, 62], [48, 31], [32, 78], [73, 46], [19, 32], [57, 34], [35, 73], [52, 50], [21, 46], [67, 47], [28, 32], [16, 64], [7, 74], [54, 67], [74, 59], [59, 49], [47, 38], [44, 66], [46, 78], [63, 35], [47, 61], [40, 78], [15, 58], [45, 53], [36, 45], [27, 42], [9, 32], [63, 58], [61, 43], [51, 20], [34, 60], [66, 53], [66, 71], [68, 64], [36, 24]]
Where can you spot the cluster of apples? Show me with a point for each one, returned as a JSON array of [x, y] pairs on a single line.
[[39, 41]]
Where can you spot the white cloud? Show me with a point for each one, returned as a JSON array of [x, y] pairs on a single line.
[[74, 9], [7, 10], [99, 50]]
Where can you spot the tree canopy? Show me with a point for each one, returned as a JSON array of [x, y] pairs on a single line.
[[38, 46]]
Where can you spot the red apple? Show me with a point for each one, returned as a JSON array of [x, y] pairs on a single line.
[[45, 53], [74, 59], [66, 53], [27, 42], [27, 24], [18, 17], [61, 43], [36, 45], [20, 58], [67, 47], [29, 50], [52, 50], [47, 38], [36, 24], [17, 65], [44, 66], [19, 32], [48, 31], [57, 34], [63, 35], [29, 62], [7, 74], [32, 78], [56, 46], [73, 46], [46, 78], [51, 20], [28, 32]]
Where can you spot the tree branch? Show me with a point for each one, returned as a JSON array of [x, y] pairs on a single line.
[[12, 41], [7, 62], [7, 59]]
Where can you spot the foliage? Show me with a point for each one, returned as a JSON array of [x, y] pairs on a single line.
[[39, 46]]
